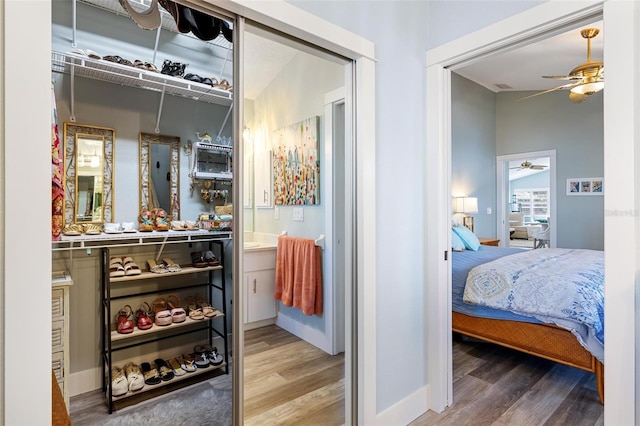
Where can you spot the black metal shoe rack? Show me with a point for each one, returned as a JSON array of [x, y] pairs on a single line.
[[112, 342]]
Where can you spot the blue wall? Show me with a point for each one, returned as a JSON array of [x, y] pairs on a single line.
[[473, 149]]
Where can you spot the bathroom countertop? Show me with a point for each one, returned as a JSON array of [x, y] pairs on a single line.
[[255, 246]]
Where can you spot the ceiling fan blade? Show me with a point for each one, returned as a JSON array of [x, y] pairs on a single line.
[[516, 168], [564, 86], [562, 77], [537, 167]]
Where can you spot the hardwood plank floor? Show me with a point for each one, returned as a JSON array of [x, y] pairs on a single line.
[[499, 386], [288, 381]]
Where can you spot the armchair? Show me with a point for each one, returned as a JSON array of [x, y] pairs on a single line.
[[516, 223]]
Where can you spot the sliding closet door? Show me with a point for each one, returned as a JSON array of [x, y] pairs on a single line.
[[290, 186]]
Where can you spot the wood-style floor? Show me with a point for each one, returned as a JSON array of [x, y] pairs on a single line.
[[290, 382], [499, 386], [287, 381]]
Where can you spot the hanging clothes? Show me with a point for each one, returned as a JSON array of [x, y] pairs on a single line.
[[57, 171]]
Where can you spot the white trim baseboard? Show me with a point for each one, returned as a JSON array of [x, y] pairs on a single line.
[[309, 334], [406, 410]]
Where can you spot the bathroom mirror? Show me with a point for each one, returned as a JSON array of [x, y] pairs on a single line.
[[88, 164], [159, 173]]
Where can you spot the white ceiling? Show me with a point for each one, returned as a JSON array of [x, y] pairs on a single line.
[[523, 68], [263, 61]]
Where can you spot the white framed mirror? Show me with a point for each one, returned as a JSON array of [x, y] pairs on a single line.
[[88, 177], [159, 173]]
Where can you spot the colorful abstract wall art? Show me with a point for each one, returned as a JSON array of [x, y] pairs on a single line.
[[296, 167]]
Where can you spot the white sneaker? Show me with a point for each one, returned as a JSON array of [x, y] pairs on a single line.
[[119, 384]]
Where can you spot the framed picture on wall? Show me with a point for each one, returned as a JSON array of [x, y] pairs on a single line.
[[585, 186]]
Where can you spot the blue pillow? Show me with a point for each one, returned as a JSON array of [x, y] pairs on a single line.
[[456, 243], [468, 238]]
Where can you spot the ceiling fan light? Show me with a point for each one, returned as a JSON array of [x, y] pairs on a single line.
[[588, 88]]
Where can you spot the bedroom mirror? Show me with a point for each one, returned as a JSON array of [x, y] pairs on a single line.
[[88, 162], [159, 176]]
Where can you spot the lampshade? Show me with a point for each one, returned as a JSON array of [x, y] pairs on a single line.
[[465, 205]]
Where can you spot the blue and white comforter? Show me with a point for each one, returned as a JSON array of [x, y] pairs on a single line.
[[564, 287]]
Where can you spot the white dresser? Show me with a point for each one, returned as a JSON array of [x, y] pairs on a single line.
[[60, 283]]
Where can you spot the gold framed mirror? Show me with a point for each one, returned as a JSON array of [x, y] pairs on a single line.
[[88, 164], [160, 173]]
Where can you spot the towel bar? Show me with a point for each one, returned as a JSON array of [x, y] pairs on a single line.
[[319, 241]]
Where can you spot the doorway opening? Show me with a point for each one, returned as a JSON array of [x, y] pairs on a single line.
[[527, 196], [542, 21]]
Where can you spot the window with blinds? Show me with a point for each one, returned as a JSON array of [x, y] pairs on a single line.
[[534, 202]]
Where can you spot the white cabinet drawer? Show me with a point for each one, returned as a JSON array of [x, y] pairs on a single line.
[[57, 335], [57, 303], [259, 260]]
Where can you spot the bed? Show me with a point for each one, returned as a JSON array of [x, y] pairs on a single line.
[[537, 336]]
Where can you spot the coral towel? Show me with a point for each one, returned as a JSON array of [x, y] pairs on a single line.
[[299, 274]]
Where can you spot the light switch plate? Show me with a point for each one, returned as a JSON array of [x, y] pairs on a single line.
[[298, 214], [488, 210], [276, 212]]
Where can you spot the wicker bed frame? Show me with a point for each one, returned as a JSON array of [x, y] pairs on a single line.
[[543, 340]]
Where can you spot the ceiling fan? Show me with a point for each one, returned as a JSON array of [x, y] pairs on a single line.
[[529, 165], [585, 79]]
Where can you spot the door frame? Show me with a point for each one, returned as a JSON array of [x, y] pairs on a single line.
[[621, 159], [335, 236], [502, 195]]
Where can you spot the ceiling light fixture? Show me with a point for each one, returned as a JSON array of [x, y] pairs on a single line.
[[592, 85]]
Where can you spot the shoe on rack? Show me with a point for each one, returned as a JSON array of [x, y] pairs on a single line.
[[188, 363], [171, 265], [161, 313], [215, 358], [128, 227], [211, 258], [178, 314], [156, 268], [197, 260], [166, 373], [161, 221], [134, 376], [176, 366], [130, 267], [208, 310], [125, 323], [143, 316], [193, 311], [202, 359], [116, 268], [119, 384], [146, 219], [151, 375]]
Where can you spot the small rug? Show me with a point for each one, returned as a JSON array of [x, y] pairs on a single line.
[[201, 404]]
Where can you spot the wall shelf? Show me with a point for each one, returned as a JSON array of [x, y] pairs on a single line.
[[100, 69], [137, 239]]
